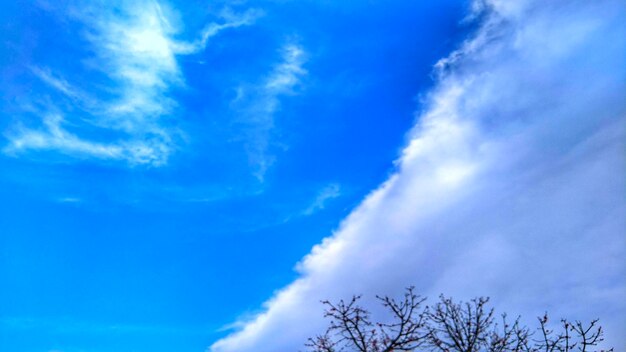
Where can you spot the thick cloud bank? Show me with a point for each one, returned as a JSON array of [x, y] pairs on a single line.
[[512, 184]]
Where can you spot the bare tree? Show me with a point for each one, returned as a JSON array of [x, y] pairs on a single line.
[[470, 327], [351, 327], [574, 336], [445, 327]]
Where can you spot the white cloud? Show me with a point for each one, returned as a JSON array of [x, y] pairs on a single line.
[[259, 104], [80, 327], [512, 184], [69, 200], [53, 136], [136, 48], [232, 20], [63, 86], [327, 193]]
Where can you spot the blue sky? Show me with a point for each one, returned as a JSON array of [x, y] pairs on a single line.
[[184, 176]]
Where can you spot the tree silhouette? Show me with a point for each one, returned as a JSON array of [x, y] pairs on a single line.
[[447, 326]]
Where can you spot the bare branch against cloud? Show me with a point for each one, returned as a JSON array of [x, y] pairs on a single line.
[[511, 186], [137, 49], [259, 104]]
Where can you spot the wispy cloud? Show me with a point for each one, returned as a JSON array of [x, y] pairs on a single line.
[[64, 87], [231, 20], [327, 193], [53, 136], [63, 325], [511, 185], [257, 106], [137, 49], [71, 200]]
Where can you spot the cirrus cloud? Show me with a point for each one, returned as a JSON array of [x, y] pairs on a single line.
[[136, 49]]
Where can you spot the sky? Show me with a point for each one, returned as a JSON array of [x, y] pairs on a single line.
[[198, 175]]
